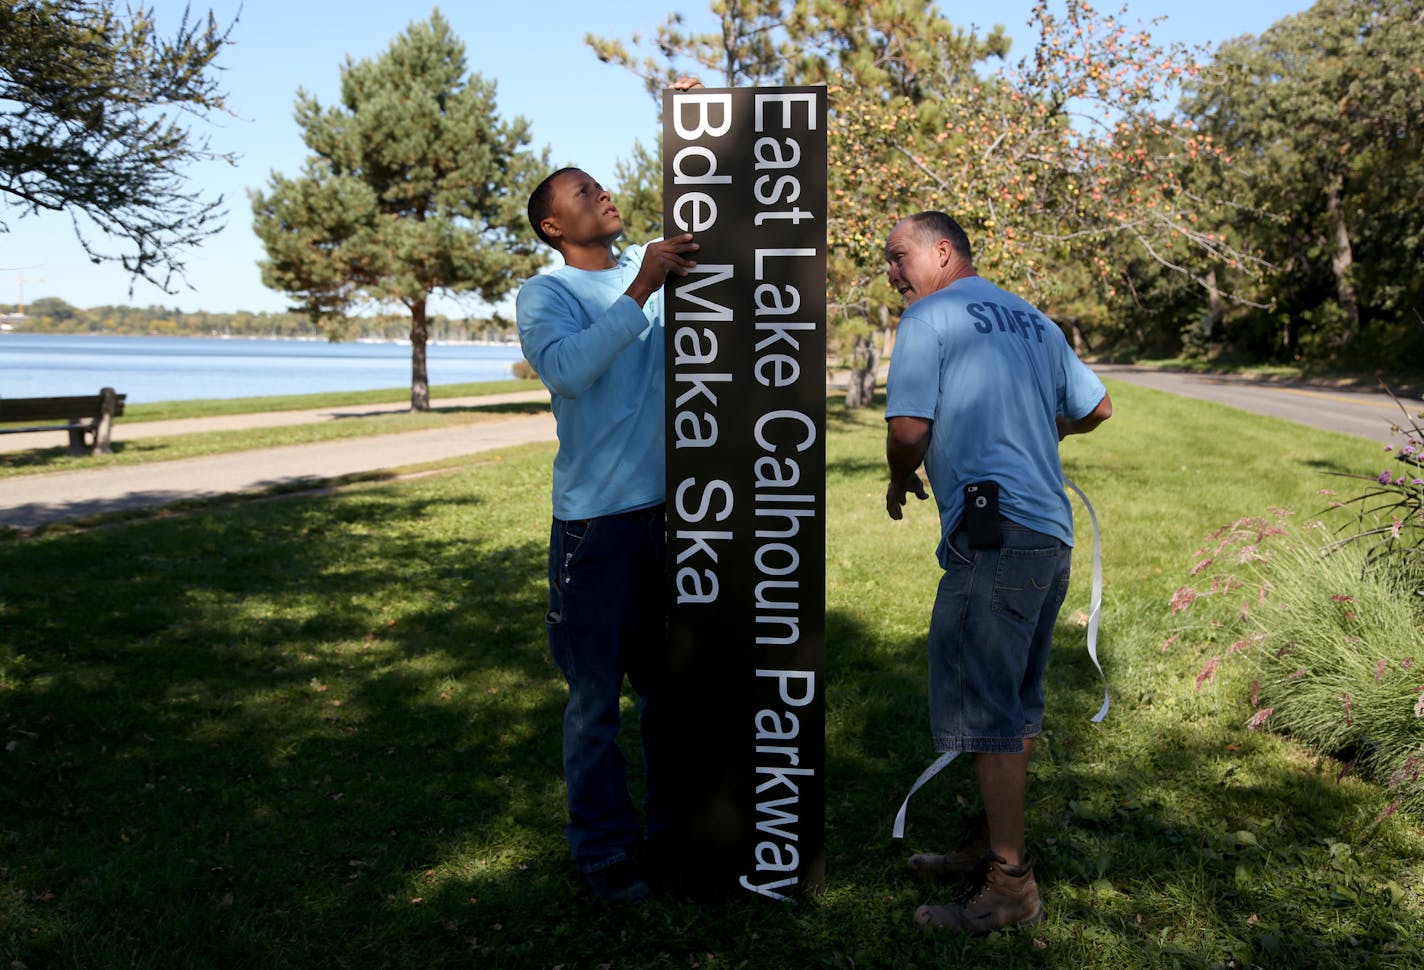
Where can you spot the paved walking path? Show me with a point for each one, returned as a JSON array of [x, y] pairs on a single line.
[[29, 501]]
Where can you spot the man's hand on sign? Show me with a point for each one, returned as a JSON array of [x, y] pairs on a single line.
[[686, 83], [659, 259]]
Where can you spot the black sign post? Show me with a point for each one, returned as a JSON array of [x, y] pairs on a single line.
[[744, 169]]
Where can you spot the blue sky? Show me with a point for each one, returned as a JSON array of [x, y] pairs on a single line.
[[586, 112]]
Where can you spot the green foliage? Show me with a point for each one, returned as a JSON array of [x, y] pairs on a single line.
[[749, 48], [414, 186], [1270, 216], [638, 185], [1322, 116], [1062, 168], [92, 106]]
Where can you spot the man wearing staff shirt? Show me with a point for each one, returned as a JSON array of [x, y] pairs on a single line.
[[982, 387]]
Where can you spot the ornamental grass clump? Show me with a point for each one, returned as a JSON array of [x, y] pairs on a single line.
[[1342, 665], [1389, 513], [1331, 645]]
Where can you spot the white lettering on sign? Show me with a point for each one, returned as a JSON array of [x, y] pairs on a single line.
[[778, 790]]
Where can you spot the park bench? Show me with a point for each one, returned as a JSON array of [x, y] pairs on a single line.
[[88, 418]]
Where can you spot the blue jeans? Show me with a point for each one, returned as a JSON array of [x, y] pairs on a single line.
[[990, 635], [608, 618]]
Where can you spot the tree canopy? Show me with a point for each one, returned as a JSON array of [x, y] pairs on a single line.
[[95, 109], [1323, 115], [1152, 197], [414, 184]]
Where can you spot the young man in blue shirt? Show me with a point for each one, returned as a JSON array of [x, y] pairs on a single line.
[[593, 330], [982, 387]]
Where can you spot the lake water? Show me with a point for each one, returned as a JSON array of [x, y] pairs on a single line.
[[183, 368]]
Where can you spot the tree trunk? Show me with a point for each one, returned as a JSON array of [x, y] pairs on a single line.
[[419, 381], [1214, 307], [1081, 345], [1342, 259], [865, 364]]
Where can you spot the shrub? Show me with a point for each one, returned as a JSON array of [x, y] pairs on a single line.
[[525, 371], [1389, 512], [1333, 647]]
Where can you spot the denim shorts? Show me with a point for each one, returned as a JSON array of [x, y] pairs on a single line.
[[990, 635]]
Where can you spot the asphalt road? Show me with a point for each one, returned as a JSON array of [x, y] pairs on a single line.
[[1366, 413]]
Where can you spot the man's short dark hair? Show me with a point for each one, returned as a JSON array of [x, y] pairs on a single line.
[[541, 203], [934, 226]]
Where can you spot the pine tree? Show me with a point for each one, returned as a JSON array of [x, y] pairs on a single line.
[[90, 111], [414, 186]]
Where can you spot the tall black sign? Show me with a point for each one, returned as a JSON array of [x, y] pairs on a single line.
[[745, 171]]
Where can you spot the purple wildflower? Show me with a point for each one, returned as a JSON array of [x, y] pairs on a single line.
[[1384, 478], [1259, 718]]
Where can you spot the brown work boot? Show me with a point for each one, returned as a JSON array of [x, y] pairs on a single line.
[[1001, 895], [958, 864]]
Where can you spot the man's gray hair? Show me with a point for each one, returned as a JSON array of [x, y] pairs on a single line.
[[933, 226]]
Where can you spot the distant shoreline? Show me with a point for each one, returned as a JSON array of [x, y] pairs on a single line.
[[395, 341]]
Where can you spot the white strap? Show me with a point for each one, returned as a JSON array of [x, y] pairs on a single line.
[[1094, 610], [1095, 605], [925, 776]]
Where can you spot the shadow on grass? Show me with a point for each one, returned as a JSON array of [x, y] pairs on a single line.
[[326, 733], [506, 407], [39, 457], [246, 737]]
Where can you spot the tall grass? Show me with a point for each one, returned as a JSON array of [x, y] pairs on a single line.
[[324, 732], [1331, 646]]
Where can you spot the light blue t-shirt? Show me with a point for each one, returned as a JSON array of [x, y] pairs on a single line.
[[992, 374], [601, 356]]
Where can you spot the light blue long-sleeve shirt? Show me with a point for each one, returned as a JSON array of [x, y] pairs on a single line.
[[601, 356]]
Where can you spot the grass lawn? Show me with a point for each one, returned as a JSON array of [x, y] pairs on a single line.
[[216, 407], [324, 732]]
